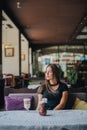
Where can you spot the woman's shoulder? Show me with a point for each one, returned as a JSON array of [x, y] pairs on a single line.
[[41, 88], [63, 83], [64, 86], [42, 85]]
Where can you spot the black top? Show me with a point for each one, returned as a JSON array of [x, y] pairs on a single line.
[[53, 98]]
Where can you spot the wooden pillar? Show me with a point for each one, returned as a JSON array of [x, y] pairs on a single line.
[[1, 37], [19, 53]]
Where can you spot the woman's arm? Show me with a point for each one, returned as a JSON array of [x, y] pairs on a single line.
[[39, 99], [63, 101]]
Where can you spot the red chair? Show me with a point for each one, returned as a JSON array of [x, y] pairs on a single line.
[[9, 80]]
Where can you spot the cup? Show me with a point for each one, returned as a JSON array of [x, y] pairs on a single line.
[[26, 103], [42, 110]]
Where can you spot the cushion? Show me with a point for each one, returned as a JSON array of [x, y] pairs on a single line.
[[80, 104], [34, 100], [16, 102]]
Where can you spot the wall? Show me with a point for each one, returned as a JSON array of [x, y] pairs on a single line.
[[25, 53], [10, 38]]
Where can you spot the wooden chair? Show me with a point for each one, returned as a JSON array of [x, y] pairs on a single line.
[[9, 79]]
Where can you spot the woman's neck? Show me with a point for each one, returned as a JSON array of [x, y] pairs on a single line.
[[53, 82]]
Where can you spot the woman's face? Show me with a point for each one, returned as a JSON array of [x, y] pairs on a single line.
[[49, 73]]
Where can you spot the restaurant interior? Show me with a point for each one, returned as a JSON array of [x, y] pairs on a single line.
[[34, 34]]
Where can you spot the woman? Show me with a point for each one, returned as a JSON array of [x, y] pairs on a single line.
[[55, 91]]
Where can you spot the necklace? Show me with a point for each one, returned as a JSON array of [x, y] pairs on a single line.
[[54, 89], [53, 84]]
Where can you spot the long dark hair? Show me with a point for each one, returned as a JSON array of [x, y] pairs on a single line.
[[56, 74]]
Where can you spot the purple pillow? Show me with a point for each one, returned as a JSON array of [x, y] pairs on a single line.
[[16, 102]]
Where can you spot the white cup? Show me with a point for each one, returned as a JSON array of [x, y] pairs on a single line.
[[26, 103]]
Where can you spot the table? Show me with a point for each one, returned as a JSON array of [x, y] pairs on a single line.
[[55, 120], [33, 86]]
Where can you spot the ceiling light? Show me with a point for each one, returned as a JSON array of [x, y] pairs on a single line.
[[18, 4], [84, 29], [81, 37]]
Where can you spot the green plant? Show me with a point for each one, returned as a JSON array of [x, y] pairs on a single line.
[[40, 74], [72, 77]]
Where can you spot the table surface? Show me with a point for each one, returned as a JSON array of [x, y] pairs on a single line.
[[33, 86], [54, 120]]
